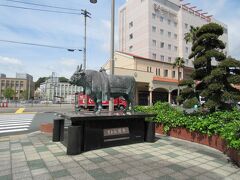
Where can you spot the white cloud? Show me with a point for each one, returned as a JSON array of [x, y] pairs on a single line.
[[10, 61]]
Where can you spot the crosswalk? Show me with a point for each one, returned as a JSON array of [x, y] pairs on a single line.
[[15, 122]]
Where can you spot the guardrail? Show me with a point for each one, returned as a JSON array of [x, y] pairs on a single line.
[[3, 104]]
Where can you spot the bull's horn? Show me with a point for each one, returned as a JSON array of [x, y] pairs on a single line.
[[80, 68]]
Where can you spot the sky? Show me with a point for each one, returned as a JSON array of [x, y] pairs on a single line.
[[67, 31]]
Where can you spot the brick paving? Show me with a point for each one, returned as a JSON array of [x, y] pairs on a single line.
[[35, 156]]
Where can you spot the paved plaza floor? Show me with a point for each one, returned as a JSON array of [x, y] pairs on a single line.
[[35, 156]]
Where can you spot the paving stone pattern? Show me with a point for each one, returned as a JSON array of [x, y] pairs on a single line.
[[35, 156]]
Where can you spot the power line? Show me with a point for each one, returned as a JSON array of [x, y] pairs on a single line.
[[43, 5], [36, 9], [41, 45]]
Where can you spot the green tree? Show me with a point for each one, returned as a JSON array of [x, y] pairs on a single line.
[[215, 81], [39, 81], [9, 93], [24, 95], [63, 79], [191, 35], [179, 63]]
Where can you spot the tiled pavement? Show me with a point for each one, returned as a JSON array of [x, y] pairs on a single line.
[[35, 156]]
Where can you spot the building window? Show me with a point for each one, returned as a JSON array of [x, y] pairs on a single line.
[[154, 43], [169, 47], [157, 71], [131, 36], [169, 34], [130, 48], [186, 26], [175, 36], [175, 48], [154, 56], [169, 59], [169, 22], [161, 31], [153, 16], [149, 69], [154, 29], [165, 73], [130, 24], [162, 45], [162, 58], [173, 74], [175, 24], [186, 50], [161, 18]]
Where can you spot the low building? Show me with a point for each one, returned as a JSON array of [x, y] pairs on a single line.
[[23, 86], [53, 90], [156, 80]]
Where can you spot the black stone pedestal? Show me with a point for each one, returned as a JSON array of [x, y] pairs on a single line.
[[149, 131], [89, 131], [75, 136], [58, 130]]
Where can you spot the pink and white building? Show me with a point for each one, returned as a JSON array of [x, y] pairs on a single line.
[[155, 29]]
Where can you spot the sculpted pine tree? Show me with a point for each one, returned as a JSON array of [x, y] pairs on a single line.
[[215, 81]]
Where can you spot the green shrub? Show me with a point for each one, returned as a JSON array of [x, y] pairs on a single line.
[[223, 123]]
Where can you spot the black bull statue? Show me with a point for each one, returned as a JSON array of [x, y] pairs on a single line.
[[100, 86]]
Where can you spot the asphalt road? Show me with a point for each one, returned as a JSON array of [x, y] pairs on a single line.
[[31, 119], [38, 108]]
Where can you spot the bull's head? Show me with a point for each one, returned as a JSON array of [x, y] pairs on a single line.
[[78, 77]]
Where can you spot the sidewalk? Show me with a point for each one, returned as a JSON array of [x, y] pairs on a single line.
[[35, 156]]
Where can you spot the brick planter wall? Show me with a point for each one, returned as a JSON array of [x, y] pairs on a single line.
[[46, 128], [214, 141]]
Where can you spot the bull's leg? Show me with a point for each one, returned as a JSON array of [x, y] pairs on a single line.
[[99, 103], [128, 102], [96, 105], [132, 101]]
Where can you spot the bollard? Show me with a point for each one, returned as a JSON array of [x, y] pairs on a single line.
[[149, 131], [58, 130], [74, 140]]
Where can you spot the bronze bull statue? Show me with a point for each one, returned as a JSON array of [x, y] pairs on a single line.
[[101, 87]]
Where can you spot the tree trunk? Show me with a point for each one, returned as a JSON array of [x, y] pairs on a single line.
[[178, 92]]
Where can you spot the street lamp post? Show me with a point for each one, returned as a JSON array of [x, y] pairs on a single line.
[[111, 102]]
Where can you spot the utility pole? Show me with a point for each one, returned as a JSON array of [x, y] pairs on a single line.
[[86, 15], [111, 102]]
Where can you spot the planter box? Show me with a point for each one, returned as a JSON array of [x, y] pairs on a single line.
[[213, 141]]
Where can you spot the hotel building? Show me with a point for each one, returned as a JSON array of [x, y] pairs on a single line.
[[155, 29], [151, 36]]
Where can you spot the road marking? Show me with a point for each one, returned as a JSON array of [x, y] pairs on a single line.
[[20, 111], [15, 122], [15, 127], [14, 130]]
